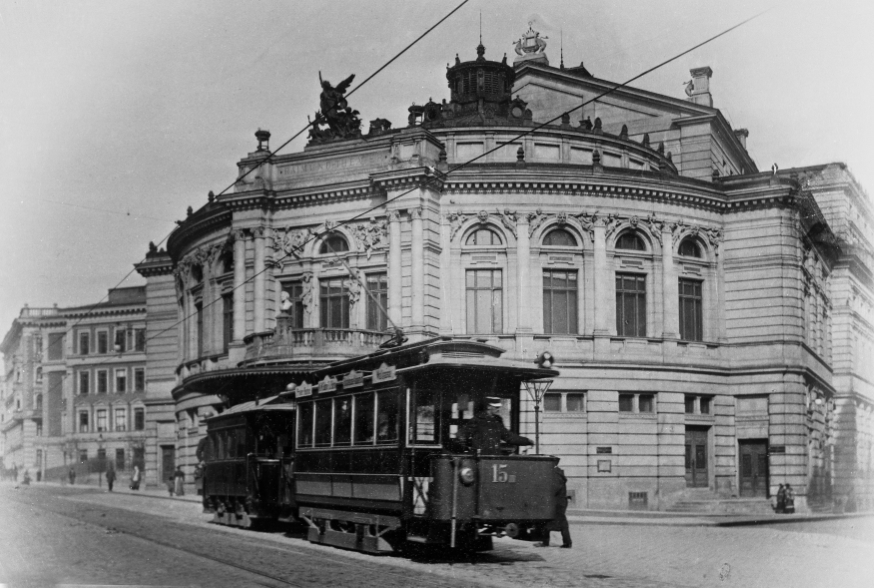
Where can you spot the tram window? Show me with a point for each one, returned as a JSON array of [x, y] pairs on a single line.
[[323, 423], [240, 441], [342, 420], [425, 407], [364, 419], [461, 410], [305, 414], [387, 416]]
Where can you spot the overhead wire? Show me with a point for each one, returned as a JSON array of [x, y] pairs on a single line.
[[451, 170]]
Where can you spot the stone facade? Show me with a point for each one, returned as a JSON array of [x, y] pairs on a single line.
[[710, 321]]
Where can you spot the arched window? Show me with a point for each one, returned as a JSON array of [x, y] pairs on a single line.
[[630, 240], [482, 237], [333, 244], [559, 238], [689, 248]]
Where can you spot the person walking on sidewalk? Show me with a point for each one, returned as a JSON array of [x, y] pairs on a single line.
[[790, 500], [559, 523], [72, 475], [135, 478], [781, 499], [179, 479], [110, 477]]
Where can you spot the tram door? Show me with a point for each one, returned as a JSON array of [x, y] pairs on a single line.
[[696, 458], [754, 468]]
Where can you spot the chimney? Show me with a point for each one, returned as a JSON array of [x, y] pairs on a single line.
[[699, 89], [742, 135]]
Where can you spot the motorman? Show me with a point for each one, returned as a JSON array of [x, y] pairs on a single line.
[[484, 433]]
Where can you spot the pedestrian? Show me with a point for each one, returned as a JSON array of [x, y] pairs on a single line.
[[26, 479], [171, 483], [781, 499], [135, 478], [110, 477], [179, 479], [559, 522], [484, 433], [790, 499], [72, 475]]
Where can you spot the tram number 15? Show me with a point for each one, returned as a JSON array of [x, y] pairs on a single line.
[[500, 475]]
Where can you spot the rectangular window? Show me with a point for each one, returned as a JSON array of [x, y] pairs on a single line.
[[139, 457], [377, 302], [705, 405], [102, 420], [305, 425], [84, 383], [84, 342], [227, 320], [293, 306], [83, 456], [334, 304], [364, 419], [630, 305], [552, 403], [425, 415], [102, 342], [560, 302], [387, 416], [139, 339], [139, 379], [83, 422], [120, 340], [646, 403], [139, 419], [37, 347], [323, 423], [484, 301], [626, 403], [576, 402], [120, 419], [121, 380], [102, 381], [56, 346], [119, 460], [691, 314], [690, 405], [343, 421], [198, 310]]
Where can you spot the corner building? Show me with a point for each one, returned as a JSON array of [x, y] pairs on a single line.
[[688, 298]]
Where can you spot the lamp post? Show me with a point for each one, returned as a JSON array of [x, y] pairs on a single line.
[[536, 389], [101, 458]]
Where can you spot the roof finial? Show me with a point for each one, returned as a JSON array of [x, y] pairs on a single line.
[[561, 47], [480, 27]]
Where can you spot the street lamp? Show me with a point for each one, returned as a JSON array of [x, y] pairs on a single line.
[[536, 389]]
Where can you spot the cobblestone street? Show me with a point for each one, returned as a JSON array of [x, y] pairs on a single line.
[[94, 537]]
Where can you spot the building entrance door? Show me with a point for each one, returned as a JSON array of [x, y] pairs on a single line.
[[754, 468], [696, 457], [168, 462]]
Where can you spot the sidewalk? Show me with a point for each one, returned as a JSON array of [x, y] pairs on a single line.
[[156, 492], [670, 519]]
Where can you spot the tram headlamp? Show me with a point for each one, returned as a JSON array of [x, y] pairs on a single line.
[[466, 476], [545, 360]]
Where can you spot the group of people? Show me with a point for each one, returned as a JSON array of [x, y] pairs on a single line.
[[484, 433], [176, 482], [785, 499]]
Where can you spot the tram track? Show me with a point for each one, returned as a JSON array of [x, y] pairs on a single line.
[[344, 568]]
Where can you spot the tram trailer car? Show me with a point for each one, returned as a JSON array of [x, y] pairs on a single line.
[[248, 463], [378, 463]]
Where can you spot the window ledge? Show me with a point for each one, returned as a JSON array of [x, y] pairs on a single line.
[[646, 416]]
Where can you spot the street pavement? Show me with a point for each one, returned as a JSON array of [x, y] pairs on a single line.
[[609, 550]]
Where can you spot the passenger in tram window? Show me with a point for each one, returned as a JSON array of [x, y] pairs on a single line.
[[484, 433], [387, 417], [342, 421], [364, 419]]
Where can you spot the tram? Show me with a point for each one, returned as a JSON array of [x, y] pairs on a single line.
[[248, 463], [378, 460]]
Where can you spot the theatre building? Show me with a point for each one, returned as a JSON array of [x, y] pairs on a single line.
[[709, 320]]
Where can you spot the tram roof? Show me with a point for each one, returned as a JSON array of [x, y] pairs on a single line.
[[271, 404]]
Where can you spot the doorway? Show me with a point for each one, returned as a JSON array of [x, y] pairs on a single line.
[[696, 457], [168, 461], [754, 468]]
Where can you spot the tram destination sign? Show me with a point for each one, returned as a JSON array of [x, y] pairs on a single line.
[[384, 373], [329, 384], [353, 380], [303, 390]]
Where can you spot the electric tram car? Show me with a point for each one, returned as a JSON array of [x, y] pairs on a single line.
[[248, 462], [378, 464], [368, 453]]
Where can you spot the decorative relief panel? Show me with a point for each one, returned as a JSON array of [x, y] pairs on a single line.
[[203, 256], [370, 236]]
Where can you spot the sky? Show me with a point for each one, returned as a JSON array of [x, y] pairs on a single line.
[[115, 116]]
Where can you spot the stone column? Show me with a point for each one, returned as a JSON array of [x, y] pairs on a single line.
[[239, 288], [523, 267], [394, 267], [601, 302], [720, 292], [418, 269], [670, 288], [445, 277], [260, 279]]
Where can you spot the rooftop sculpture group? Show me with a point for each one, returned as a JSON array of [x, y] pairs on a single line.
[[341, 120]]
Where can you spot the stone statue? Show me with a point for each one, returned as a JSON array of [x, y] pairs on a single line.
[[334, 111], [285, 302]]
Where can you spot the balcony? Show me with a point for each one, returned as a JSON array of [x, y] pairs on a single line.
[[315, 344]]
